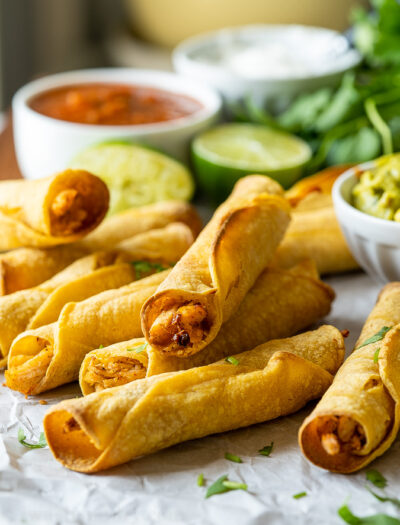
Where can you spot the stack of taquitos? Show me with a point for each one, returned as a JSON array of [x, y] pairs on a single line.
[[358, 418], [114, 426], [28, 267], [50, 356], [88, 276], [55, 210], [209, 282], [280, 303]]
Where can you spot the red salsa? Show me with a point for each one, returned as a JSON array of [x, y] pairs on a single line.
[[113, 104]]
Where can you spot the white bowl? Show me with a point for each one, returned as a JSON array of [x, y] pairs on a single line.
[[45, 145], [374, 242], [194, 57]]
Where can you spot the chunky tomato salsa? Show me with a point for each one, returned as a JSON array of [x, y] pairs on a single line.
[[113, 104]]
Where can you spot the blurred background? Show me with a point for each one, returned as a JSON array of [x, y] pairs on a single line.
[[39, 37]]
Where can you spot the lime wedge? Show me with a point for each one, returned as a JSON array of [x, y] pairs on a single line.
[[225, 153], [136, 175]]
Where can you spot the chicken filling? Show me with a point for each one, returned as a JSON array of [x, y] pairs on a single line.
[[340, 434], [68, 212], [179, 326], [106, 372]]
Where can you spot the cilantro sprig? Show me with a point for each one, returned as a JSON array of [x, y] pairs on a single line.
[[22, 439], [376, 519], [143, 267], [266, 451], [376, 478], [376, 337], [223, 484]]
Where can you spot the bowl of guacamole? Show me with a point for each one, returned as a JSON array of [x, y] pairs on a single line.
[[377, 191]]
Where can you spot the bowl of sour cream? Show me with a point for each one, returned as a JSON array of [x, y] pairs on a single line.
[[270, 63]]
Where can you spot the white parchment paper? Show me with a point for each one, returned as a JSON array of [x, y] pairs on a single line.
[[162, 489]]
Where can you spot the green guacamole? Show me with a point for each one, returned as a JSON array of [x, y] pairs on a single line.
[[378, 191]]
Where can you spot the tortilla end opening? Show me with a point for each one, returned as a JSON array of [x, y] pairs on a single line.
[[311, 446], [68, 442], [77, 203]]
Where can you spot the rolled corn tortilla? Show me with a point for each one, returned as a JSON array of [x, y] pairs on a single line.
[[358, 418], [281, 303], [108, 428], [314, 230], [55, 210], [86, 277], [209, 282], [27, 267], [51, 355]]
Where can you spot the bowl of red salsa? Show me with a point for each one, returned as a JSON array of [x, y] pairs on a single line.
[[58, 116]]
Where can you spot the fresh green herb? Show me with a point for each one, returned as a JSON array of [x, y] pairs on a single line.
[[384, 499], [22, 439], [137, 349], [234, 485], [266, 451], [376, 355], [101, 346], [232, 360], [224, 485], [200, 480], [232, 457], [376, 478], [299, 495], [143, 267], [377, 519], [376, 337]]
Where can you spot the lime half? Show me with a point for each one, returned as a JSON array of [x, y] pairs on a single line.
[[225, 153], [136, 175]]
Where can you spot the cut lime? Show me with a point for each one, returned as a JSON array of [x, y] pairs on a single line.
[[136, 175], [225, 153]]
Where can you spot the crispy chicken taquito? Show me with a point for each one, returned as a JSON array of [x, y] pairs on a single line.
[[51, 355], [314, 230], [111, 427], [280, 303], [209, 282], [28, 267], [358, 418], [86, 277], [55, 210]]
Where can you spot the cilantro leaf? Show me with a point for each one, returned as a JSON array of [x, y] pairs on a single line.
[[384, 499], [299, 495], [101, 346], [376, 354], [232, 360], [377, 519], [137, 349], [224, 485], [200, 480], [376, 337], [22, 439], [266, 451], [142, 267], [232, 457], [376, 478]]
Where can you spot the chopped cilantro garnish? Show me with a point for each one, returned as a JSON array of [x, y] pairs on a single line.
[[22, 439], [200, 480], [137, 349], [224, 485], [376, 519], [384, 499], [376, 355], [376, 337], [299, 495], [101, 346], [266, 451], [232, 457], [232, 360], [376, 478], [142, 267]]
